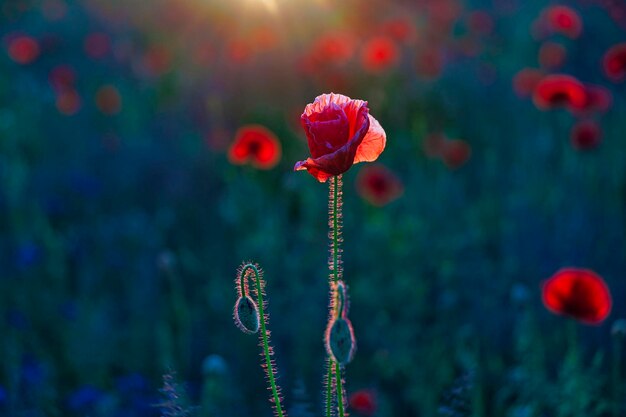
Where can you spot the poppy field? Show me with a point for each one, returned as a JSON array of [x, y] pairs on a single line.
[[312, 208]]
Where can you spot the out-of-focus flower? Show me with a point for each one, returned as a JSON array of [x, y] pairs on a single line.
[[614, 63], [340, 132], [585, 135], [23, 49], [363, 402], [84, 398], [379, 54], [578, 293], [238, 51], [429, 62], [400, 29], [256, 145], [560, 90], [599, 99], [62, 77], [455, 153], [378, 185], [480, 22], [335, 48], [562, 20], [525, 81], [108, 99], [552, 55], [68, 102], [97, 45], [155, 62], [433, 144]]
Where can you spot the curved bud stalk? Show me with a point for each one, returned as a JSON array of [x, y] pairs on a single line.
[[250, 317]]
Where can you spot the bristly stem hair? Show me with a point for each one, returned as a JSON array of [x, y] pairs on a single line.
[[334, 377], [246, 271]]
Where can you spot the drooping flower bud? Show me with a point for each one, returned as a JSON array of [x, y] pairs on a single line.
[[246, 315]]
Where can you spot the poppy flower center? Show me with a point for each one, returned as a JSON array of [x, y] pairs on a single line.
[[560, 97], [378, 184], [254, 147]]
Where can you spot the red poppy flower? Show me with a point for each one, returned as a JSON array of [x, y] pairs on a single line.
[[68, 102], [23, 49], [340, 132], [563, 20], [525, 81], [332, 49], [615, 63], [430, 62], [480, 22], [586, 135], [552, 55], [433, 144], [62, 77], [560, 90], [378, 185], [401, 29], [577, 293], [363, 402], [379, 54], [599, 99], [257, 145], [97, 45], [108, 99], [455, 153]]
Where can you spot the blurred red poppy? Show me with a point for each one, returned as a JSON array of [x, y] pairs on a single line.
[[433, 144], [455, 153], [586, 135], [256, 145], [363, 402], [332, 49], [62, 77], [525, 81], [97, 45], [378, 185], [379, 54], [560, 90], [614, 62], [340, 132], [430, 62], [68, 102], [480, 22], [23, 49], [577, 293], [563, 20], [108, 100], [400, 29], [599, 99], [552, 55]]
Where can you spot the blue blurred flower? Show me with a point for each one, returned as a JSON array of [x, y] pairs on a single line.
[[32, 370], [85, 397], [27, 254]]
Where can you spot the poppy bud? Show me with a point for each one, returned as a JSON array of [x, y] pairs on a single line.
[[246, 315], [340, 341]]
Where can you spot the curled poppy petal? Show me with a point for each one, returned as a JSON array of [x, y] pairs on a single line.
[[578, 293], [340, 132]]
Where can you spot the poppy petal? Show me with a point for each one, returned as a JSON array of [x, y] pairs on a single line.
[[373, 143]]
